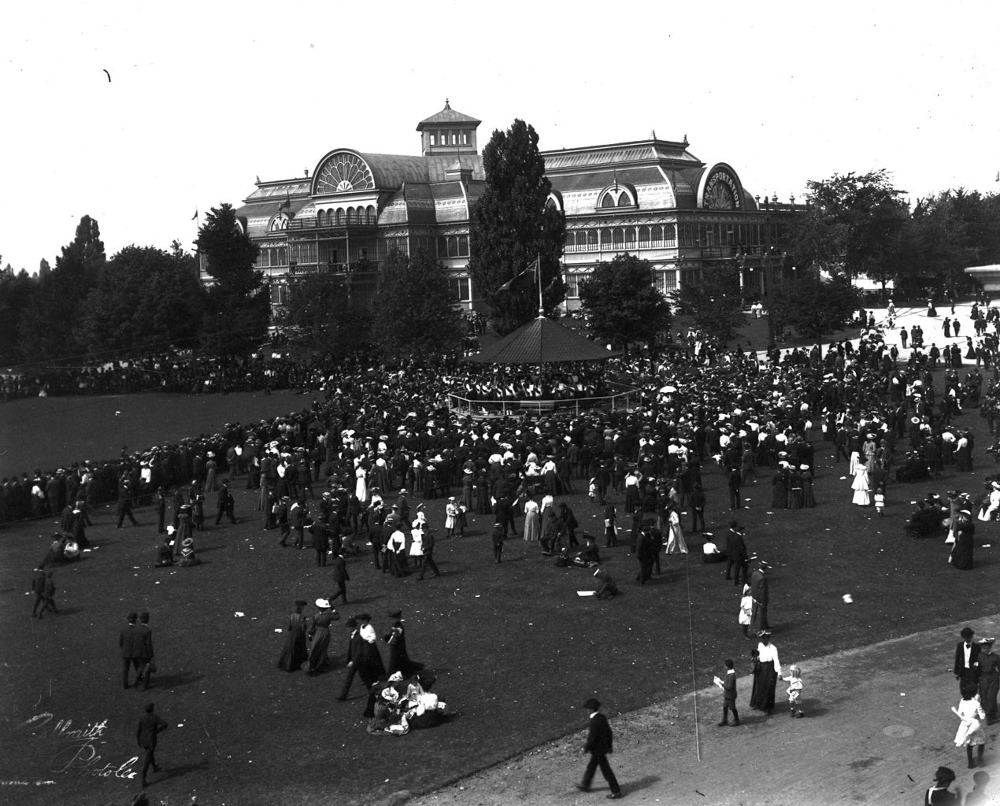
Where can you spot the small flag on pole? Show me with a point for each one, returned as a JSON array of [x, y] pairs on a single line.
[[195, 216], [533, 266]]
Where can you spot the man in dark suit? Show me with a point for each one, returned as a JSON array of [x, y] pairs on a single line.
[[146, 661], [759, 590], [354, 648], [967, 659], [340, 577], [736, 553], [150, 725], [131, 641], [427, 544], [599, 745]]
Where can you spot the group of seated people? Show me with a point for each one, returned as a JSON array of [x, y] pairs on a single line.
[[402, 706], [167, 554]]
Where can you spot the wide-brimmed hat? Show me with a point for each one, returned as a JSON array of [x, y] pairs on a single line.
[[323, 604]]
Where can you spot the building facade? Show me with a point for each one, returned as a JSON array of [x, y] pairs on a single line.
[[650, 198]]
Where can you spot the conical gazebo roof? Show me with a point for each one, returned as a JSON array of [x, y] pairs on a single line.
[[542, 341]]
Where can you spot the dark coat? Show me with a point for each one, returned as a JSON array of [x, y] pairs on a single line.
[[150, 725], [132, 641], [600, 737]]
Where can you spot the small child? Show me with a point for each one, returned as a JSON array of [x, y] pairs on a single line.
[[794, 681], [728, 686], [880, 499]]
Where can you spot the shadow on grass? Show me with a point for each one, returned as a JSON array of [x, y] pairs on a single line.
[[643, 783], [175, 680], [168, 773]]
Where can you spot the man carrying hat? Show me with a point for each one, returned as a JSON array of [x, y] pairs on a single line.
[[736, 553], [599, 744]]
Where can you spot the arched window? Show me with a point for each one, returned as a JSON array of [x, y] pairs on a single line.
[[570, 245], [608, 201], [452, 246], [617, 196], [463, 245], [592, 240], [624, 200], [338, 218], [605, 238], [669, 235], [630, 237], [372, 215], [643, 237], [619, 237]]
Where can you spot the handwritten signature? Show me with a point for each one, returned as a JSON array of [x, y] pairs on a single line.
[[78, 747]]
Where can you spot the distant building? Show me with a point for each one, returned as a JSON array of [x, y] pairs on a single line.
[[651, 198]]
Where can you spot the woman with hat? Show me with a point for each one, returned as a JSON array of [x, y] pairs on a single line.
[[319, 636], [188, 556], [294, 652], [964, 530], [768, 672], [399, 657], [989, 679], [938, 794], [970, 729]]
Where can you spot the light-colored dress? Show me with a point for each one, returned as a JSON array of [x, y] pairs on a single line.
[[361, 485], [675, 537], [970, 731], [862, 492], [532, 521], [417, 542]]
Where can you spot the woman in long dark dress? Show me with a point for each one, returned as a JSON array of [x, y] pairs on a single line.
[[779, 492], [769, 672], [294, 652], [961, 552], [399, 657], [319, 635]]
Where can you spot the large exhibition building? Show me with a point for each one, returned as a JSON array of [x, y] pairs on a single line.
[[650, 198]]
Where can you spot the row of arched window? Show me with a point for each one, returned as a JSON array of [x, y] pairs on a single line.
[[654, 236], [352, 215]]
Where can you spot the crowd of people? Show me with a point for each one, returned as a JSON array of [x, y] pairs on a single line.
[[348, 470]]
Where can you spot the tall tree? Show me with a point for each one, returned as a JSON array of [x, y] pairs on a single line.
[[714, 303], [415, 315], [513, 227], [239, 307], [853, 224], [16, 291], [621, 303], [47, 327], [145, 300], [812, 306], [324, 315]]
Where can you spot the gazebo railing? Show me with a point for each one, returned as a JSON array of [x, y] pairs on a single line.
[[507, 407]]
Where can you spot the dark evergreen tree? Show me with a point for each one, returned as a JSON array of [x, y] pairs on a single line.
[[415, 314], [621, 304], [813, 306], [714, 303], [16, 292], [514, 225], [323, 315], [239, 307], [47, 326]]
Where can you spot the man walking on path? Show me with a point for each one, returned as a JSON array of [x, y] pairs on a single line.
[[599, 745], [150, 725]]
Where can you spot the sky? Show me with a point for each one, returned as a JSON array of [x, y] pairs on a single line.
[[139, 114]]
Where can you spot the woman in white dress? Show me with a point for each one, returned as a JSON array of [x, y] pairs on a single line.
[[970, 730], [862, 492], [532, 521], [675, 535], [361, 485], [417, 544]]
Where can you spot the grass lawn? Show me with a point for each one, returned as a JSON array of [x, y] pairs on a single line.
[[515, 649]]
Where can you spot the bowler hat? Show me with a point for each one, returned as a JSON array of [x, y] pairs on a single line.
[[592, 704]]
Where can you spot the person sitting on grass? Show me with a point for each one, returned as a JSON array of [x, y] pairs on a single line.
[[607, 587], [165, 551]]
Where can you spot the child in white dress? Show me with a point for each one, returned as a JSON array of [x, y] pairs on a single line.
[[970, 731], [794, 681]]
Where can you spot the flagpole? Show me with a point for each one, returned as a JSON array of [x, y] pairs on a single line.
[[538, 273]]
